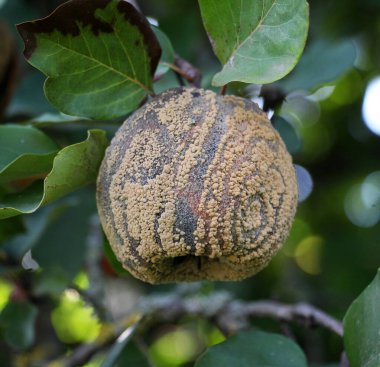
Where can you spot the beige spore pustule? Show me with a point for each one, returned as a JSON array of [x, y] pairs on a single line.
[[196, 186]]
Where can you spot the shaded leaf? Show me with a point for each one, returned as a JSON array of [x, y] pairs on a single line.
[[74, 166], [9, 228], [8, 66], [255, 348], [167, 56], [61, 247], [131, 356], [18, 142], [118, 348], [48, 119], [322, 62], [256, 41], [110, 264], [288, 134], [34, 226], [99, 56], [17, 321], [28, 98], [362, 327]]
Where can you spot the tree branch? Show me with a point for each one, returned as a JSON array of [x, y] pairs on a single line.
[[301, 313], [233, 315], [220, 308], [184, 70]]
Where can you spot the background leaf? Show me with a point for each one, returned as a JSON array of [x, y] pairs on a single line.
[[99, 57], [64, 257], [256, 41], [132, 356], [255, 348], [74, 166], [17, 322], [8, 65], [18, 141], [118, 352], [362, 327], [167, 56], [322, 62]]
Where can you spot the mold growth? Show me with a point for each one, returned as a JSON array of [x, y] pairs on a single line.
[[196, 186]]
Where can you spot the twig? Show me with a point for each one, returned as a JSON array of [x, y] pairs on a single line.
[[179, 77], [301, 312], [218, 307], [223, 90], [232, 315], [186, 70]]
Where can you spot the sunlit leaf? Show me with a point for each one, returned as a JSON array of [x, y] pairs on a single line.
[[362, 327], [74, 166], [17, 322], [73, 320], [255, 348], [256, 41], [99, 56]]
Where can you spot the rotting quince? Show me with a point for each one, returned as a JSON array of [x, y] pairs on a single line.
[[196, 186]]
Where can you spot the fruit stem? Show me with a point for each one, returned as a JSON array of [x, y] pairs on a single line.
[[223, 89]]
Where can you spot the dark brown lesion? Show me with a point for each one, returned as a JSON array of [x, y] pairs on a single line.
[[137, 19], [65, 19]]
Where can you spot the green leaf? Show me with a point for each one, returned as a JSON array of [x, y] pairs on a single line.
[[362, 327], [254, 348], [257, 41], [117, 349], [131, 356], [167, 56], [29, 98], [34, 225], [322, 63], [48, 119], [20, 142], [99, 56], [112, 261], [288, 134], [17, 323], [74, 166], [61, 247], [74, 321]]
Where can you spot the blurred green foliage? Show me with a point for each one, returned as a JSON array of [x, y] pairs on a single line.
[[331, 255]]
